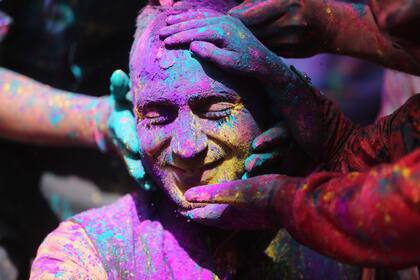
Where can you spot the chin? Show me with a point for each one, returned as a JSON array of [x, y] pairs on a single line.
[[176, 192]]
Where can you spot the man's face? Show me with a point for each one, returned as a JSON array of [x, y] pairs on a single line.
[[195, 124]]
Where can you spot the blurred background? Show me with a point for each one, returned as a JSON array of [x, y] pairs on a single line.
[[75, 45]]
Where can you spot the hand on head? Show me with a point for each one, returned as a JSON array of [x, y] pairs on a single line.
[[291, 28], [222, 40]]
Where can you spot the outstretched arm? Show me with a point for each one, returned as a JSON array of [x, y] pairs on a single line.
[[367, 218], [32, 112]]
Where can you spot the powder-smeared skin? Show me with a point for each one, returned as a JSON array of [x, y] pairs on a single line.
[[134, 243], [331, 140], [295, 28], [131, 240], [364, 209], [190, 116], [31, 112]]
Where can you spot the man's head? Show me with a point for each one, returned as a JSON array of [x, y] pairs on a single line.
[[195, 122]]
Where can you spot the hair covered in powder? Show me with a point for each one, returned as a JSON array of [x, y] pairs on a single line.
[[146, 39]]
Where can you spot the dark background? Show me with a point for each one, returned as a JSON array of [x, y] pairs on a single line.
[[72, 45]]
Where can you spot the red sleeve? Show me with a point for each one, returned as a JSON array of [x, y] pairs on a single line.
[[385, 141], [365, 208], [367, 218]]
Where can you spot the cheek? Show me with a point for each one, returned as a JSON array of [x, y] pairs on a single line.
[[152, 140], [237, 131]]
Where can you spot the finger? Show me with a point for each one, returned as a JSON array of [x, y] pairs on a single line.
[[186, 25], [123, 128], [258, 12], [206, 33], [225, 59], [135, 168], [229, 217], [208, 212], [174, 19], [119, 85], [258, 162], [255, 192], [275, 136]]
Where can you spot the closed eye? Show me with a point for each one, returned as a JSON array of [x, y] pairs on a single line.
[[158, 114], [216, 111]]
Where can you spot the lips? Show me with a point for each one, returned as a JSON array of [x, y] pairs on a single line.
[[186, 179]]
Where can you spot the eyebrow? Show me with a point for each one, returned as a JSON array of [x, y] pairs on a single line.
[[216, 93], [155, 101]]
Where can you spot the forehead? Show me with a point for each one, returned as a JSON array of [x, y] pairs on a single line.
[[157, 72], [180, 76]]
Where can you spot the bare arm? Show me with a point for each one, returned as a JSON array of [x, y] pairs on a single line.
[[32, 112]]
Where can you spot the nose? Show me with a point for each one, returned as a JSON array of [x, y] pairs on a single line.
[[189, 144]]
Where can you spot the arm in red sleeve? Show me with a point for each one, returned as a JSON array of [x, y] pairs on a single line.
[[366, 218], [369, 218], [385, 141]]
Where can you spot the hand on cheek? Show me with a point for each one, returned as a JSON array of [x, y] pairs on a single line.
[[122, 128], [249, 203], [268, 151]]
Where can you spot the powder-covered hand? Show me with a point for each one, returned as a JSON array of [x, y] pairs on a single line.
[[248, 204], [122, 126], [291, 28], [268, 150], [223, 40]]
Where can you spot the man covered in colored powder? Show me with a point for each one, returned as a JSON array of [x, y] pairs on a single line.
[[196, 125]]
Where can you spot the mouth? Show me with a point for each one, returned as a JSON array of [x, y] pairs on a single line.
[[187, 178]]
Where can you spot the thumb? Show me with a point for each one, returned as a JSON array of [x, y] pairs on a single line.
[[119, 85], [240, 10]]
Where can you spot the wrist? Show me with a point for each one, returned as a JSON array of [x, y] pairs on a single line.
[[330, 22], [99, 123], [284, 197], [276, 72]]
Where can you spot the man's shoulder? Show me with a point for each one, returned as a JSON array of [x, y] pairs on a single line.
[[113, 230], [123, 213]]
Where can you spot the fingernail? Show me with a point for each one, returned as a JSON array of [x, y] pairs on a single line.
[[249, 163], [255, 144], [118, 78]]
